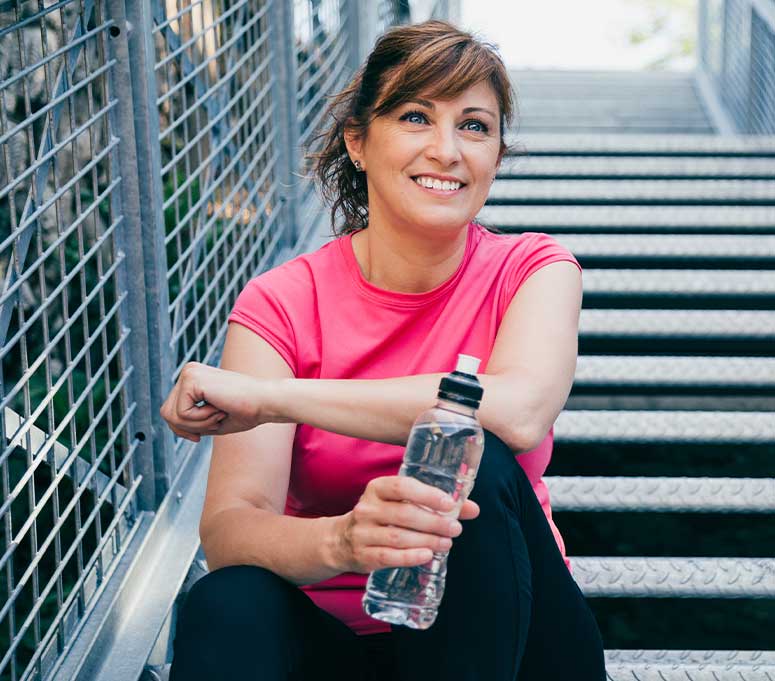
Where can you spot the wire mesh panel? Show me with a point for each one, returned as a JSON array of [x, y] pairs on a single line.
[[738, 53], [762, 115], [712, 29], [66, 471], [737, 50], [322, 67], [392, 13], [214, 75]]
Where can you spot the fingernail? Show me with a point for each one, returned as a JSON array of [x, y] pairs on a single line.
[[455, 528], [445, 543]]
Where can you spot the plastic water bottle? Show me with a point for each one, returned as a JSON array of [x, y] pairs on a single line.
[[444, 450]]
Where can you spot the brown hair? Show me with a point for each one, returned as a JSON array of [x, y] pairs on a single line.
[[434, 59]]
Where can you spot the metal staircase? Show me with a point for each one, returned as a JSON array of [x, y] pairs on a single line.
[[676, 233]]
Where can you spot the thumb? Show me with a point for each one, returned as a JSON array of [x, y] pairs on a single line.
[[469, 510]]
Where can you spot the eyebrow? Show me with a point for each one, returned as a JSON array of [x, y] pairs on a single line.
[[468, 109]]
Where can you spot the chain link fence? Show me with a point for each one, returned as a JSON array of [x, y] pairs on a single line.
[[150, 155], [737, 54]]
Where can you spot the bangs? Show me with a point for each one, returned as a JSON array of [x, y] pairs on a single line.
[[444, 68]]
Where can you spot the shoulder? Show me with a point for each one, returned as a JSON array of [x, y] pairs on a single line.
[[525, 250], [296, 276]]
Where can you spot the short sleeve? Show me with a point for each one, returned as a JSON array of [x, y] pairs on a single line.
[[534, 251], [264, 308]]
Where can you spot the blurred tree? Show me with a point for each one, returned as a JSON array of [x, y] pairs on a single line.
[[669, 34]]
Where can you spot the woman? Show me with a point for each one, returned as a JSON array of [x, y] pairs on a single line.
[[328, 360]]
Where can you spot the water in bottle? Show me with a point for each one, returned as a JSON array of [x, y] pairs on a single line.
[[443, 450]]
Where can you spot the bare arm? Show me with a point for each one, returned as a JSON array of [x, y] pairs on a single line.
[[242, 521], [528, 378]]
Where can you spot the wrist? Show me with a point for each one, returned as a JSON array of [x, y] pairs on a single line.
[[333, 549], [276, 398]]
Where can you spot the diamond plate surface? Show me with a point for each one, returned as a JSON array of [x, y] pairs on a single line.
[[678, 323], [690, 665], [703, 145], [642, 190], [680, 282], [572, 167], [676, 577], [675, 245], [665, 426], [593, 493], [695, 371], [622, 218]]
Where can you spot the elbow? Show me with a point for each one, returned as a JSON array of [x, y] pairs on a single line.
[[525, 436]]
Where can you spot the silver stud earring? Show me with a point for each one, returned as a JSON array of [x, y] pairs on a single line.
[[358, 166]]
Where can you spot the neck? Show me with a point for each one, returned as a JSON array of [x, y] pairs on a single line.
[[408, 262]]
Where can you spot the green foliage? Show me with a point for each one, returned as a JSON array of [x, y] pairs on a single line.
[[671, 26]]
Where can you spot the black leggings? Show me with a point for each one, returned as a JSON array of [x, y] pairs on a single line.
[[511, 611]]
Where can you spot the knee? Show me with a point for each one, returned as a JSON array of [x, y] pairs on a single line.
[[236, 598], [500, 479]]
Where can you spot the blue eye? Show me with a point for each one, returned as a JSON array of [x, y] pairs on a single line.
[[409, 114], [482, 126]]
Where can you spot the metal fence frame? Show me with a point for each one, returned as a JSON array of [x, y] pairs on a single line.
[[736, 64], [191, 141]]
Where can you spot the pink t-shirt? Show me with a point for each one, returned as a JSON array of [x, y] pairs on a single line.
[[327, 321]]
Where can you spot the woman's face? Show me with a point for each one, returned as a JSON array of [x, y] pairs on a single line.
[[423, 142]]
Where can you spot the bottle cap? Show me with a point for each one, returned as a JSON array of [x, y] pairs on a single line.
[[467, 364], [461, 385]]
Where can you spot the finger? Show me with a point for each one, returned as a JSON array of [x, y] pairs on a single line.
[[206, 427], [413, 517], [404, 488], [385, 557], [469, 510], [202, 413], [193, 437], [400, 538]]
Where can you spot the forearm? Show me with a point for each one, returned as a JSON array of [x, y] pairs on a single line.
[[384, 410], [301, 550]]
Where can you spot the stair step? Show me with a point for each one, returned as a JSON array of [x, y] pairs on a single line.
[[749, 283], [601, 167], [689, 665], [586, 192], [660, 427], [647, 145], [687, 247], [735, 324], [657, 219], [613, 129], [602, 75], [675, 577], [529, 117], [708, 372], [661, 494]]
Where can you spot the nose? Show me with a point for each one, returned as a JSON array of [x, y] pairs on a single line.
[[444, 146]]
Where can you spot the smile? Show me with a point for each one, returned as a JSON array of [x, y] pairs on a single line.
[[438, 187]]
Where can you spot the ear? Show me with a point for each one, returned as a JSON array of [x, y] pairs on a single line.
[[353, 142]]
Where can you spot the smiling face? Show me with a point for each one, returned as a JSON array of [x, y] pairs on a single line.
[[424, 142]]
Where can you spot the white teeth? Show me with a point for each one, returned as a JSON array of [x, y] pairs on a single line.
[[433, 183]]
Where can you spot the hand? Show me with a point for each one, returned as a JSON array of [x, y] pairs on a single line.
[[209, 401], [383, 530]]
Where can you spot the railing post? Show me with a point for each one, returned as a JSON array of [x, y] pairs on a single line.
[[353, 27], [285, 118], [153, 284], [368, 20], [129, 241]]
